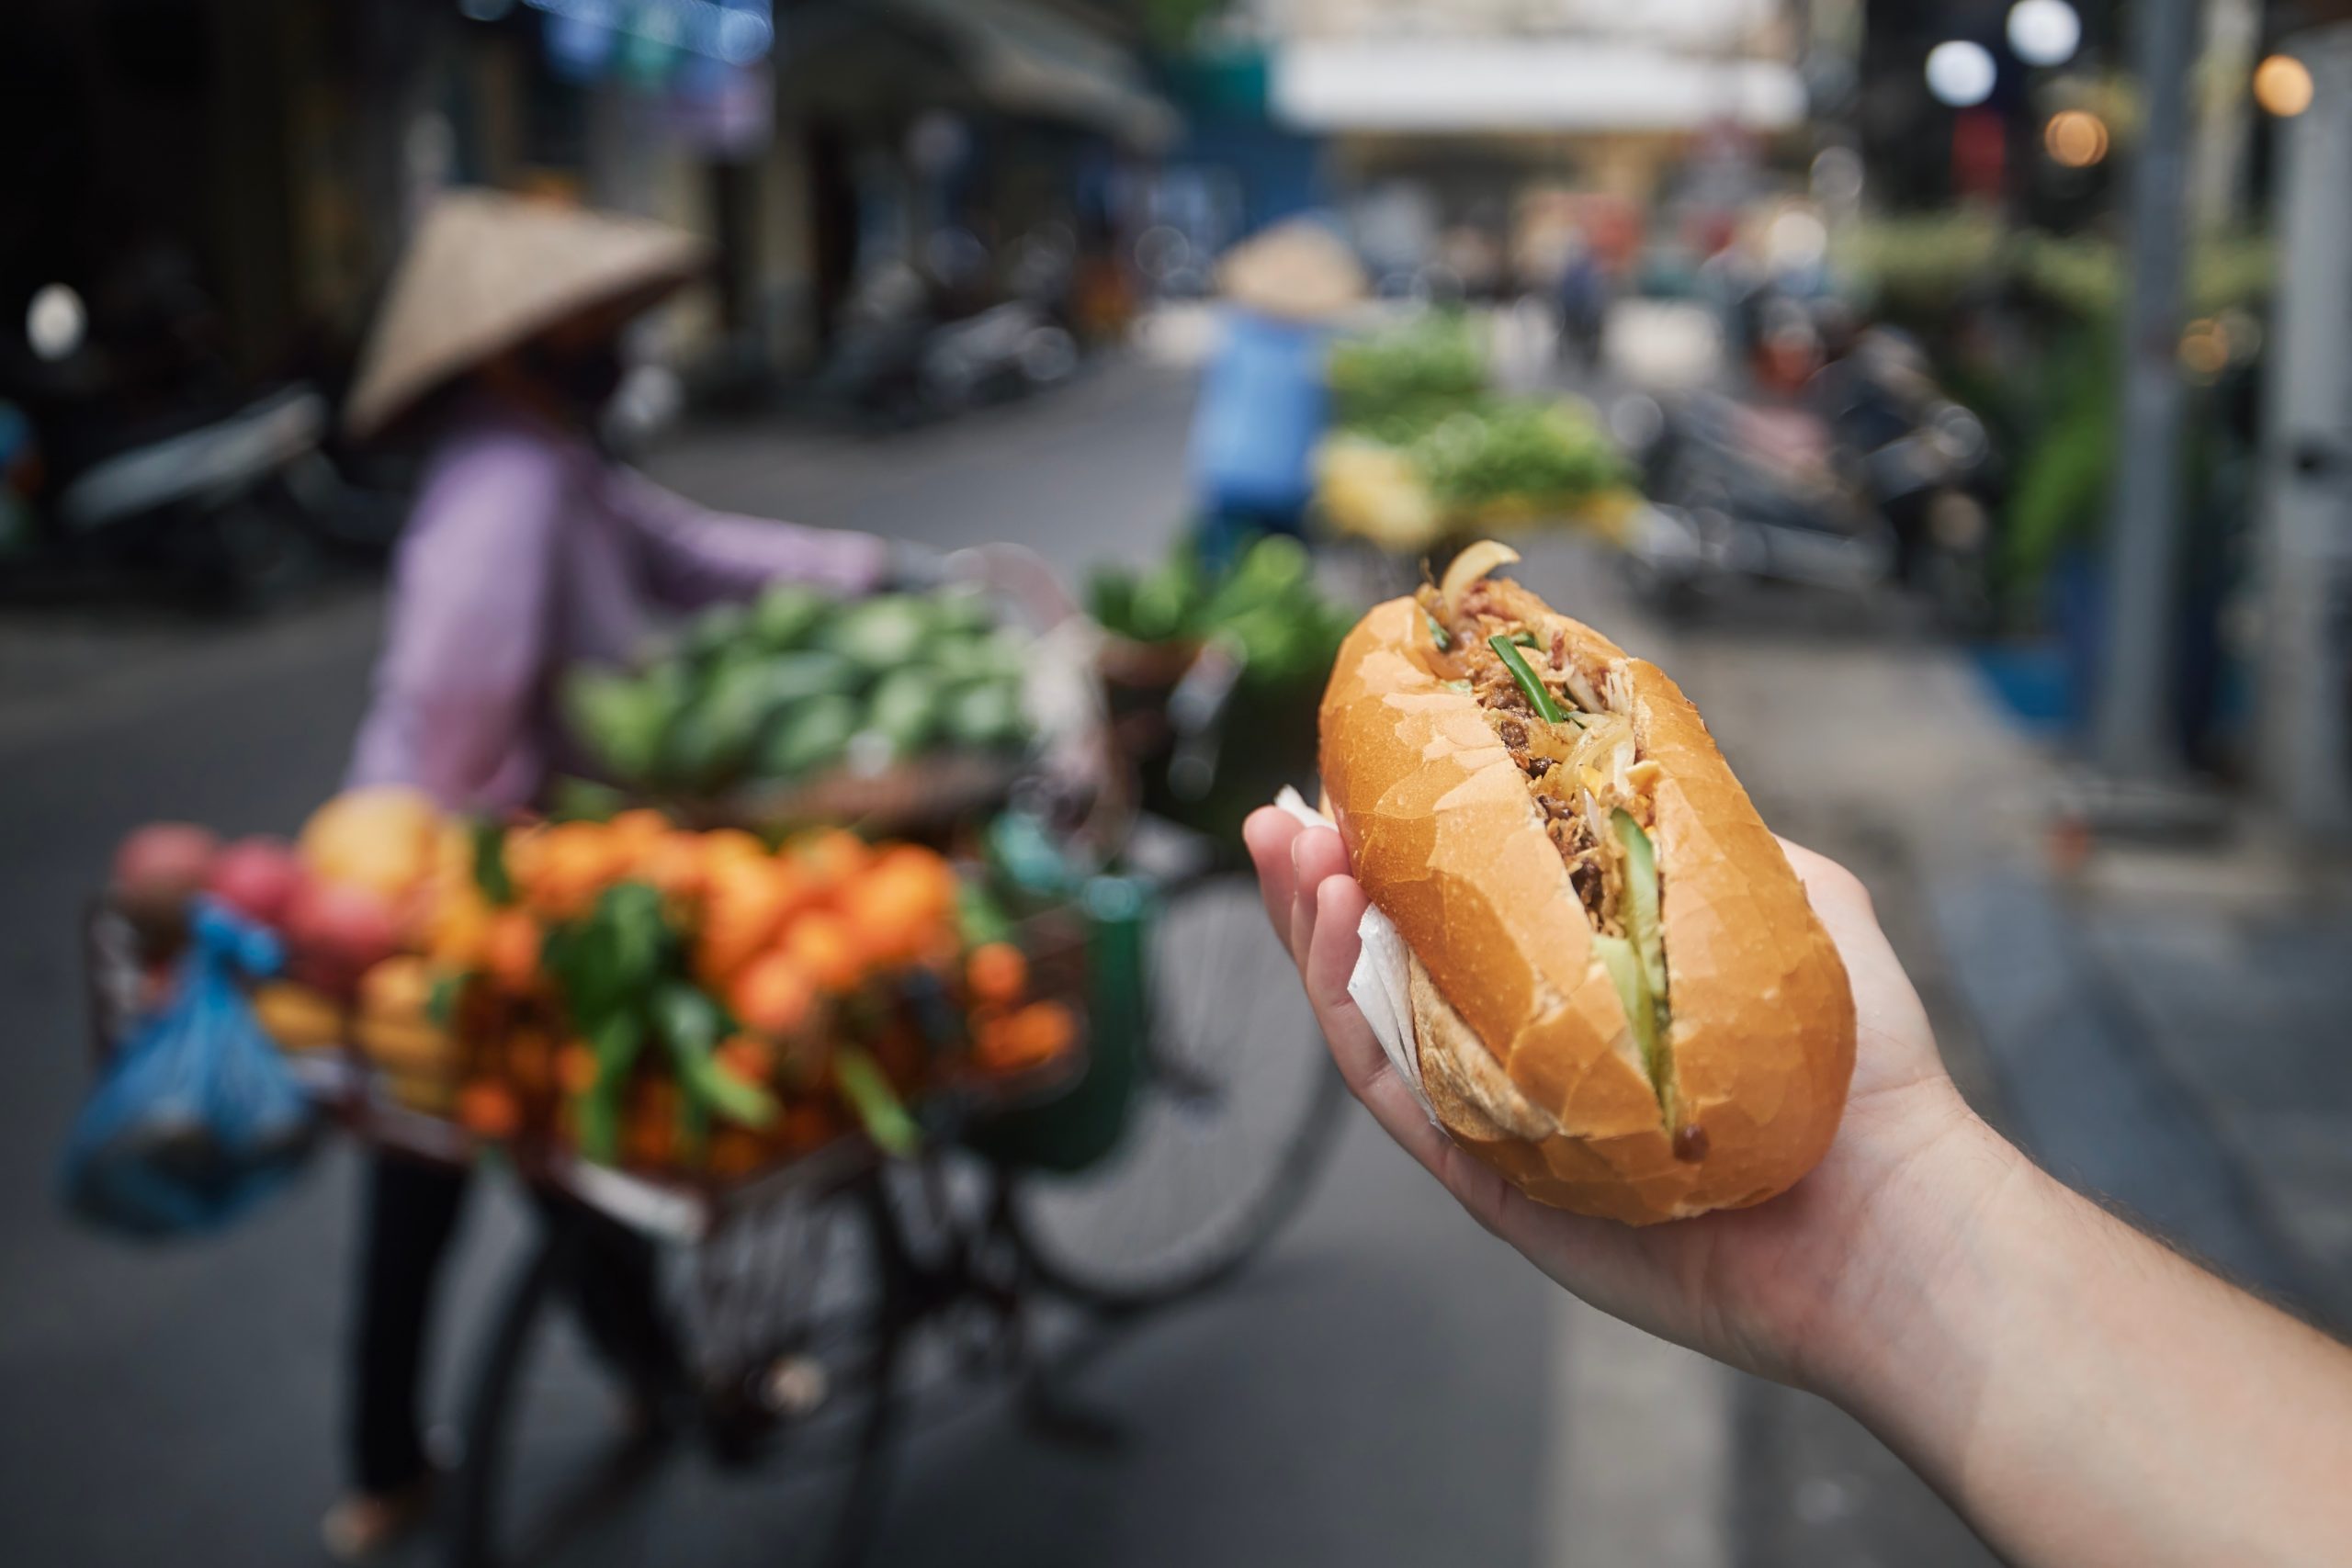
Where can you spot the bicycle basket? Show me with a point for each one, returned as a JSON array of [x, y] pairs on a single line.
[[1081, 1126]]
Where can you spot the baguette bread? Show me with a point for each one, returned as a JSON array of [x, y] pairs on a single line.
[[1458, 826]]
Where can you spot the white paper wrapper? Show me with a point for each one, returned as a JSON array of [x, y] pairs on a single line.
[[1378, 982]]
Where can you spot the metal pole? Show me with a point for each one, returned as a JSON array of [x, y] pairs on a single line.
[[2225, 114], [2306, 717], [2132, 736]]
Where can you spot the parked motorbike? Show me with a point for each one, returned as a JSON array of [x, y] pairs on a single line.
[[901, 357], [1871, 478], [221, 505]]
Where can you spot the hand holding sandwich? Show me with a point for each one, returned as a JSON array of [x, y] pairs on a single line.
[[2080, 1394], [1742, 1285]]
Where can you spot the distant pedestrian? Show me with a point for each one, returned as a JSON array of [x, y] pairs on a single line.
[[1265, 401], [1584, 307]]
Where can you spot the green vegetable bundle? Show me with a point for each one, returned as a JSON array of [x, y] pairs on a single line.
[[1398, 384], [778, 691], [1265, 609], [1266, 604], [1503, 451], [623, 974]]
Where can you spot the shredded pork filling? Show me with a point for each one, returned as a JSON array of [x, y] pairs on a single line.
[[1581, 772]]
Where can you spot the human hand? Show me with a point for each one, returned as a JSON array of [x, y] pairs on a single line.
[[1780, 1289]]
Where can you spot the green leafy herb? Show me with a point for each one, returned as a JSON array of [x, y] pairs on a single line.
[[491, 875], [876, 1103]]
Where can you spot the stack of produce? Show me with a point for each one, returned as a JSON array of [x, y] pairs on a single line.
[[1276, 633], [649, 996], [777, 694], [1265, 604], [1424, 450], [1393, 385]]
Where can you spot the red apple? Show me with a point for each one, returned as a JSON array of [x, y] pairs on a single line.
[[336, 932], [156, 871], [257, 877]]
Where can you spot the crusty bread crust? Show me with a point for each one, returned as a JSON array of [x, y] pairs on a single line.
[[1444, 837]]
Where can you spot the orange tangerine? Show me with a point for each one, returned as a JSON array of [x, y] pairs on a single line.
[[487, 1109], [772, 994], [745, 902], [832, 859], [749, 1057], [510, 951], [399, 988], [676, 863], [997, 973], [576, 1067], [637, 831], [826, 949], [731, 843]]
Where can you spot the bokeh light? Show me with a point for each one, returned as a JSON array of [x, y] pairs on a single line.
[[2075, 138], [54, 322], [1960, 74], [2205, 348], [2282, 85], [2044, 33]]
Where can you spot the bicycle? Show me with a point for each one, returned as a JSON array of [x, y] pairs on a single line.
[[798, 1301]]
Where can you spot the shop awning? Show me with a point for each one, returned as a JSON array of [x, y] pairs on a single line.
[[1535, 85], [1027, 60]]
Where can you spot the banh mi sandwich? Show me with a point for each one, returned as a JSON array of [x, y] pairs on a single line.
[[1620, 996]]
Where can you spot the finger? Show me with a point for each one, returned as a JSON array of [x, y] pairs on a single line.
[[1369, 1073], [1268, 833], [1316, 855], [1886, 1005], [1843, 903], [1551, 1235], [1825, 881]]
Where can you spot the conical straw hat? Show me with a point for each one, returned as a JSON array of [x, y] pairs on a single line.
[[1299, 270], [485, 271]]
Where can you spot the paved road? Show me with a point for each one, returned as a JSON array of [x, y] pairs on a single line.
[[1389, 1387]]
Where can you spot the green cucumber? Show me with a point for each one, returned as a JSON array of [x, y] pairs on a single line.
[[1640, 904], [1624, 966]]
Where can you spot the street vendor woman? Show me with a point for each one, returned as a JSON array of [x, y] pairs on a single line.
[[496, 349], [1264, 405]]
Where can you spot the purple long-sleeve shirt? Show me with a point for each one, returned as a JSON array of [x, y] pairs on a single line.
[[527, 552]]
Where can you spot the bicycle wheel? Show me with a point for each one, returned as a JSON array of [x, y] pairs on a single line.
[[785, 1348], [1234, 1114]]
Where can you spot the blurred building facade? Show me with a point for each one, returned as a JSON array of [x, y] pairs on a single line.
[[1502, 134], [267, 156]]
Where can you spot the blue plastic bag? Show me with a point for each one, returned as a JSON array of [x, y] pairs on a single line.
[[198, 1116]]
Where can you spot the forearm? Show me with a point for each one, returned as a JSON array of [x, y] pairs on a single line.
[[2081, 1394], [695, 556]]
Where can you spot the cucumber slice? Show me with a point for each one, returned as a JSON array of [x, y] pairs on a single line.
[[1640, 906], [1624, 966]]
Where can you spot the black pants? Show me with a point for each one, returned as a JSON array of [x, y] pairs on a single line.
[[411, 1212]]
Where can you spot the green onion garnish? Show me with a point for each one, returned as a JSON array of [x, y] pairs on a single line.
[[1538, 696]]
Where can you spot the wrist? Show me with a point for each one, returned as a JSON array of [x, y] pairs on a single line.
[[1912, 1304]]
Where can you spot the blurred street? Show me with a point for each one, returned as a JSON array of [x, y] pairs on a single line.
[[1949, 397], [1387, 1386], [1287, 1419]]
